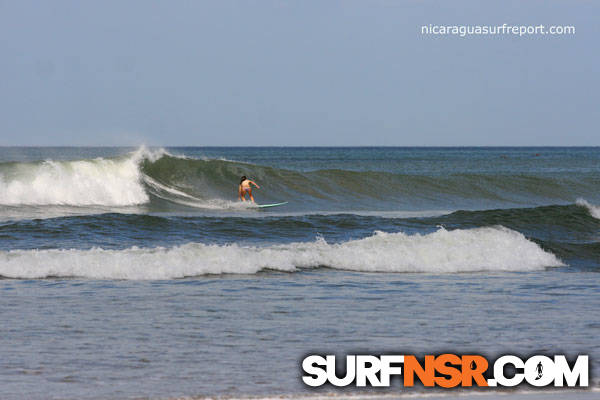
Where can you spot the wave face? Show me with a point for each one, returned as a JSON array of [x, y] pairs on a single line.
[[216, 179], [482, 249], [158, 181]]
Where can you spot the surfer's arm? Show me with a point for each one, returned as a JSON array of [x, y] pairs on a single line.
[[254, 183], [240, 192]]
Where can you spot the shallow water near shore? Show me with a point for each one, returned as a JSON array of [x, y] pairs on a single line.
[[246, 334]]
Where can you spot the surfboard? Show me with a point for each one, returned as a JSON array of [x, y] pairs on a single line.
[[270, 205]]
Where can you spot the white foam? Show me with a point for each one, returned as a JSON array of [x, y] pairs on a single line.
[[594, 210], [106, 182], [481, 249]]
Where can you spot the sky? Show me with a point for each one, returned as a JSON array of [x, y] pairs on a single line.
[[295, 73]]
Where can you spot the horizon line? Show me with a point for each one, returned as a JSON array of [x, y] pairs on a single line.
[[302, 146]]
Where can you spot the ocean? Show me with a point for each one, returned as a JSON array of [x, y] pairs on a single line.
[[130, 273]]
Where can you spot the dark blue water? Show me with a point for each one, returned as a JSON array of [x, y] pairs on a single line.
[[136, 272]]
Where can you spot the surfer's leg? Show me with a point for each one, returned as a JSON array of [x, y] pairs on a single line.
[[250, 193]]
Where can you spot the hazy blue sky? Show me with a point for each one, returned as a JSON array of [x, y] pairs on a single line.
[[295, 73]]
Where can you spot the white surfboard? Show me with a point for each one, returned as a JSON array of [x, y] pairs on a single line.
[[270, 205]]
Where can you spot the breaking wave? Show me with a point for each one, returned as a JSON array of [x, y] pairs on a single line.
[[110, 182], [443, 251], [159, 180], [593, 210]]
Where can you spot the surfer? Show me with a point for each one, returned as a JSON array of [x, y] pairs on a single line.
[[539, 370], [246, 188]]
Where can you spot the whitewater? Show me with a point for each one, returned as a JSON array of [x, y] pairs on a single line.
[[484, 249], [111, 182]]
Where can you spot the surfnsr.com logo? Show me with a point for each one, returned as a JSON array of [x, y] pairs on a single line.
[[447, 371]]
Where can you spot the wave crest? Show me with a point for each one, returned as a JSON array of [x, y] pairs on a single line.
[[480, 249], [593, 210]]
